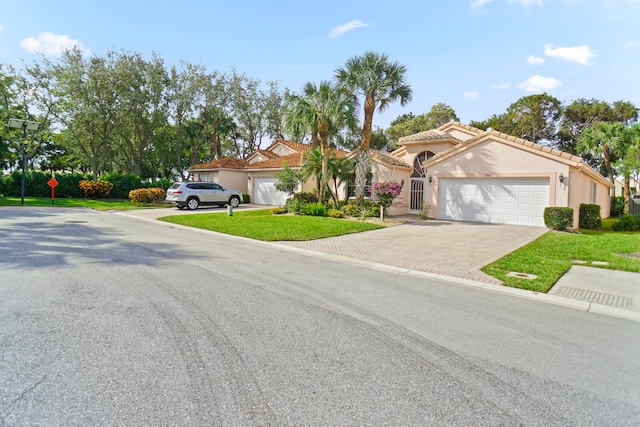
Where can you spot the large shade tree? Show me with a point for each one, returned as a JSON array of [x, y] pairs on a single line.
[[380, 82]]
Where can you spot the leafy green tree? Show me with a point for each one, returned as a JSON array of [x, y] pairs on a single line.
[[288, 179], [440, 114], [535, 118], [380, 82]]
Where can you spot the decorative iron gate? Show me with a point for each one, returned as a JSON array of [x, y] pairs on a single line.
[[417, 194]]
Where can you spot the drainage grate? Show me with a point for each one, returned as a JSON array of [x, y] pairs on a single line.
[[597, 297]]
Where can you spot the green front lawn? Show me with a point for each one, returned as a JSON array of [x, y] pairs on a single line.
[[102, 204], [261, 225], [551, 255]]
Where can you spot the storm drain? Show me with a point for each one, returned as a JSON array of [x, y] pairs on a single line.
[[597, 297]]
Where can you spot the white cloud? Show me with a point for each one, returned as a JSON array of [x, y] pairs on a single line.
[[471, 95], [476, 4], [580, 54], [627, 45], [528, 2], [479, 3], [0, 29], [50, 44], [539, 84], [535, 60], [340, 30], [501, 86]]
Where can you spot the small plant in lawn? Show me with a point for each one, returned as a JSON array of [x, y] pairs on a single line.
[[335, 213], [315, 209], [278, 211], [425, 212]]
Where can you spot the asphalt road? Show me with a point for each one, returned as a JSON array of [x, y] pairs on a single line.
[[112, 320]]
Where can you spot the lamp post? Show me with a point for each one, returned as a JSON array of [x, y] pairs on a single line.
[[25, 125]]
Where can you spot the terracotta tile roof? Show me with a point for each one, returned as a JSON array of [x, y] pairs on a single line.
[[293, 160], [224, 163], [388, 158], [298, 146], [273, 161], [427, 135]]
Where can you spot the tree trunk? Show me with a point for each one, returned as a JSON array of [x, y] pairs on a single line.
[[324, 148], [362, 172], [627, 193]]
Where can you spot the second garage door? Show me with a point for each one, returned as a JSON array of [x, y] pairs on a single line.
[[265, 192], [494, 200]]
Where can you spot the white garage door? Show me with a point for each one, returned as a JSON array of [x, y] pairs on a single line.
[[494, 200], [265, 192]]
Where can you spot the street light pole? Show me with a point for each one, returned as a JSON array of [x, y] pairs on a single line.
[[25, 125]]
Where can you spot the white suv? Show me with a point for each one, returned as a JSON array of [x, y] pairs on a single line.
[[194, 194]]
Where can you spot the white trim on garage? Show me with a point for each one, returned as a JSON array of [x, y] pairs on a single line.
[[519, 201], [265, 193]]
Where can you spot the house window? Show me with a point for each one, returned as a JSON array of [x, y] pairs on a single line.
[[351, 186], [418, 170], [204, 176]]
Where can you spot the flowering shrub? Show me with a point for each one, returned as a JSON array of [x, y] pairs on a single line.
[[147, 195], [384, 193], [95, 188]]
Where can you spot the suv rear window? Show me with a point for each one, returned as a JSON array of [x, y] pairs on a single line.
[[176, 185]]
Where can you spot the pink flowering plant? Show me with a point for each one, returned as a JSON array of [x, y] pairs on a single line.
[[384, 193]]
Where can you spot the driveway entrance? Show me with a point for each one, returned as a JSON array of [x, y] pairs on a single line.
[[457, 249]]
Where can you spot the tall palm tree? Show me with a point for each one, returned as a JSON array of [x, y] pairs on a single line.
[[381, 82], [323, 109]]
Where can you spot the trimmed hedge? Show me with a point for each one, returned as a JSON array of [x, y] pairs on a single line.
[[558, 218], [98, 189], [589, 217]]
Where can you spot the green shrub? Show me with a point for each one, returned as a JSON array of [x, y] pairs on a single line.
[[305, 198], [627, 223], [335, 213], [163, 183], [122, 184], [618, 207], [314, 209], [294, 206], [589, 216], [558, 218], [278, 211], [368, 207], [147, 195]]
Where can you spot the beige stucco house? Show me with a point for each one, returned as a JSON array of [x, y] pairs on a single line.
[[456, 171]]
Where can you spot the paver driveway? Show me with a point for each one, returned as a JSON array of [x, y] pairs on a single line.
[[457, 249]]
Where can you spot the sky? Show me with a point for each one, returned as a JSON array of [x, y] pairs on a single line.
[[477, 56]]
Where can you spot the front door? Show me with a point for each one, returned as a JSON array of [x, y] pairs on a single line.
[[416, 195]]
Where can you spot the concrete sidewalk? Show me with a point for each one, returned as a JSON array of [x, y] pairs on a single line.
[[619, 289]]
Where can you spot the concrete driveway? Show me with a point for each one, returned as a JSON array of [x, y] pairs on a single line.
[[456, 249]]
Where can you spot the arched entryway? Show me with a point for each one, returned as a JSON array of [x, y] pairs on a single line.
[[418, 181]]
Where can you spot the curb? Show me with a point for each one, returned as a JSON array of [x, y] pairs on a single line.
[[520, 293]]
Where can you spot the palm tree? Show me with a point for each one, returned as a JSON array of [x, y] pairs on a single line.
[[381, 82], [323, 109], [604, 139]]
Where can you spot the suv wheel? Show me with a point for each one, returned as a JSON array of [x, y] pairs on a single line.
[[234, 201], [192, 203]]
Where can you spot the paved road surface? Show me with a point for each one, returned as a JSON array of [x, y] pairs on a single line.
[[106, 319]]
